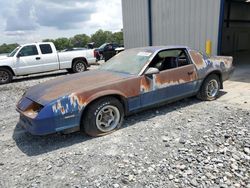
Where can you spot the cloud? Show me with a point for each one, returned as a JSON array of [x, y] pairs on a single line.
[[29, 15], [108, 16], [38, 19], [21, 17], [63, 15], [15, 33]]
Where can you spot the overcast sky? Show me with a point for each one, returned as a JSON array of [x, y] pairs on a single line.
[[25, 21]]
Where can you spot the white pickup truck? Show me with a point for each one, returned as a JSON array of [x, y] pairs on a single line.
[[42, 57]]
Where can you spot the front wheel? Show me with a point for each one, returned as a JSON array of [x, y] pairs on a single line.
[[5, 76], [210, 88], [103, 117]]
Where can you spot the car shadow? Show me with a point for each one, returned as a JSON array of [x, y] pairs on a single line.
[[40, 76], [36, 145], [33, 145], [160, 110], [222, 93]]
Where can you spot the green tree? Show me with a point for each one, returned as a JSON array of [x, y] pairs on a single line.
[[7, 48], [117, 37], [100, 37], [48, 40], [80, 40], [62, 43]]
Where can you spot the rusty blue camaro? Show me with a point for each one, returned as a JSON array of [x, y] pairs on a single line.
[[97, 101]]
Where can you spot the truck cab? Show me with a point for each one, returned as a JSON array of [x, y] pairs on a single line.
[[42, 57]]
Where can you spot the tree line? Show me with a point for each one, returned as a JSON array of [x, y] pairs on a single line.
[[80, 40]]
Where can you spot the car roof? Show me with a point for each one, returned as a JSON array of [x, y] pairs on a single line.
[[159, 48]]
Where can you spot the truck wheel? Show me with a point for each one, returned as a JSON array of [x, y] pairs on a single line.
[[79, 66], [210, 88], [5, 76], [103, 117]]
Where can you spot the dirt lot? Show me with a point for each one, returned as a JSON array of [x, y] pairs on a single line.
[[185, 144]]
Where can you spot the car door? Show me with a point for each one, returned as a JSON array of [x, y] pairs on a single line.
[[28, 60], [49, 59], [177, 78]]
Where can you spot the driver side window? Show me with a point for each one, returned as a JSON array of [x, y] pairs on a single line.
[[169, 59], [28, 51]]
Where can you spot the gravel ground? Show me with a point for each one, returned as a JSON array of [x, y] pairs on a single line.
[[184, 144]]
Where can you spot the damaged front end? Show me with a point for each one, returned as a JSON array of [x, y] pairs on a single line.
[[41, 119]]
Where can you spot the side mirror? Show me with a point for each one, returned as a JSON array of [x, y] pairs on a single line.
[[18, 55], [152, 71]]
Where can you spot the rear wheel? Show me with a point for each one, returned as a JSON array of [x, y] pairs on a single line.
[[79, 66], [210, 88], [103, 117], [6, 76]]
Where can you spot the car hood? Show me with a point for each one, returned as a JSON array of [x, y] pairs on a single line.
[[3, 57], [5, 60], [51, 90]]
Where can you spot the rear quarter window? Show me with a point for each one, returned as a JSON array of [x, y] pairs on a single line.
[[45, 48]]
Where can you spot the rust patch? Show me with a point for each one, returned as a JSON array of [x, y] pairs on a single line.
[[168, 78], [127, 88], [75, 83], [197, 59], [146, 84], [176, 76]]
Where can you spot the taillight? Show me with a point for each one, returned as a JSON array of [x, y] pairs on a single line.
[[95, 53]]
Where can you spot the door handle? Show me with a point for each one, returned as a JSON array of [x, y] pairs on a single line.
[[38, 58], [190, 73]]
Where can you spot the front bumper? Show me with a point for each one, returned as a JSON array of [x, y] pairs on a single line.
[[37, 127], [57, 116], [48, 125]]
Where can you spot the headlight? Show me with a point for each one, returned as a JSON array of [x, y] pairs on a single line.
[[29, 107]]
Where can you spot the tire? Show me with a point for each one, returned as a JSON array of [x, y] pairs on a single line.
[[6, 76], [79, 66], [103, 117], [210, 88]]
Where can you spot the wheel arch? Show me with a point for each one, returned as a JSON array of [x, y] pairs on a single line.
[[79, 58], [216, 72], [96, 97], [8, 68]]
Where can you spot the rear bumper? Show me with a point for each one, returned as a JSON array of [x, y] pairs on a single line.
[[91, 61], [226, 75]]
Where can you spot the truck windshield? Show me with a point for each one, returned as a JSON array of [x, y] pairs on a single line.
[[130, 61], [11, 54]]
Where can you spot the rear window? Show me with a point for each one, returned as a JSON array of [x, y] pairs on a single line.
[[45, 48]]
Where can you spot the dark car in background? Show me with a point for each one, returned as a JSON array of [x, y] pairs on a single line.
[[107, 50]]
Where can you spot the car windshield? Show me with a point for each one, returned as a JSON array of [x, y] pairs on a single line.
[[103, 45], [130, 61], [11, 54]]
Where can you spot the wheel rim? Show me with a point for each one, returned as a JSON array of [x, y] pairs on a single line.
[[4, 76], [212, 88], [80, 67], [108, 118]]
